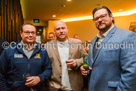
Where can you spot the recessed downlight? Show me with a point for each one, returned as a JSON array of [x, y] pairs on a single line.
[[69, 0], [53, 15]]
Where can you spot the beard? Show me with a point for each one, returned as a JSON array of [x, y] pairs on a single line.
[[105, 28], [62, 38]]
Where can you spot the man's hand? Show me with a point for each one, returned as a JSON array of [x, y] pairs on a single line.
[[32, 81], [71, 63], [84, 73]]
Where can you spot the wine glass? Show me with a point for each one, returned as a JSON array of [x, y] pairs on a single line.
[[70, 56]]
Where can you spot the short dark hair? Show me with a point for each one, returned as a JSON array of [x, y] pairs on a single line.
[[26, 24], [103, 7]]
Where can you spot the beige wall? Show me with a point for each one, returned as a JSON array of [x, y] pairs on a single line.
[[50, 26], [85, 29], [124, 21]]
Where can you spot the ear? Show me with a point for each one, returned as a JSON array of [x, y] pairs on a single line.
[[21, 33], [111, 16]]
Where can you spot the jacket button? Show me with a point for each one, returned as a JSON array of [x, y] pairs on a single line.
[[60, 76], [60, 65]]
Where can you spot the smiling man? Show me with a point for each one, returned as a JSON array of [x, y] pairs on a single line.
[[113, 68], [24, 65]]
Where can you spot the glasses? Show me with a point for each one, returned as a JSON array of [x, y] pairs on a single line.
[[102, 17], [28, 33]]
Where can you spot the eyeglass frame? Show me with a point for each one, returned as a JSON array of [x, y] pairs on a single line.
[[102, 17], [28, 33]]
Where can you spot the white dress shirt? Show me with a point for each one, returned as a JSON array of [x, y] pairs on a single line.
[[63, 49]]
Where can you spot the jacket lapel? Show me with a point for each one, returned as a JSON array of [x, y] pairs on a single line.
[[70, 49], [112, 31], [19, 48], [56, 50], [92, 49]]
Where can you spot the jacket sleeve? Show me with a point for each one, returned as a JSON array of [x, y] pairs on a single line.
[[47, 67], [3, 71], [128, 65]]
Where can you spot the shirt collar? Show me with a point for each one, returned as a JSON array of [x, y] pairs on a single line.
[[105, 34], [24, 46], [65, 42]]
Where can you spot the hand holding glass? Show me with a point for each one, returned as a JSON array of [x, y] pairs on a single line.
[[69, 64]]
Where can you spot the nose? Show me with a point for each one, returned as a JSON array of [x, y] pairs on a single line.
[[30, 34], [99, 19], [61, 30]]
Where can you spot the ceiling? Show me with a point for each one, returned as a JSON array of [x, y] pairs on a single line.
[[44, 9]]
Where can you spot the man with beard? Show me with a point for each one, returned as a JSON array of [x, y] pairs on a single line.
[[112, 64], [66, 58]]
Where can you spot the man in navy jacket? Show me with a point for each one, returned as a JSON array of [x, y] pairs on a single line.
[[24, 65]]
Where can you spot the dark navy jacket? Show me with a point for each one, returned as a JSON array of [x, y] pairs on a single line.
[[14, 65]]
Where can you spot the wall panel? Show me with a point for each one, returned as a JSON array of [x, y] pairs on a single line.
[[11, 19]]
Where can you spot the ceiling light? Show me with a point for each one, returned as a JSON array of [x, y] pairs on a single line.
[[53, 15], [90, 17], [77, 18], [69, 0], [124, 13], [120, 10]]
